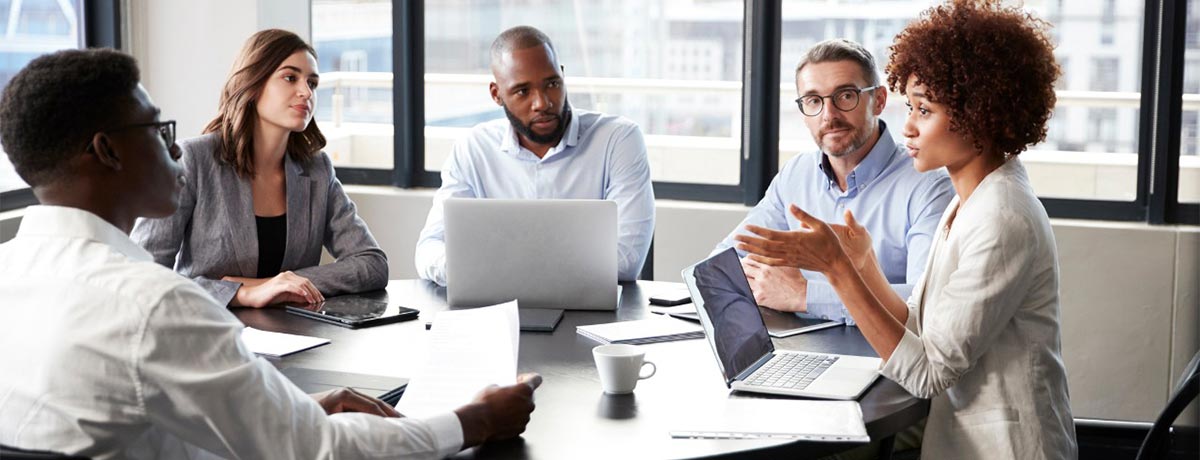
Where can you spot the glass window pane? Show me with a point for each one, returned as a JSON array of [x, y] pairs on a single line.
[[672, 66], [1189, 145], [353, 39], [28, 29], [1090, 150]]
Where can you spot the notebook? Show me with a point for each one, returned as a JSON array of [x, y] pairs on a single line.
[[642, 331]]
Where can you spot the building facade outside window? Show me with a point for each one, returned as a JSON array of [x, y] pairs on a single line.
[[28, 29]]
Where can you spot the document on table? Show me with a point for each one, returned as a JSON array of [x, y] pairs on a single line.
[[468, 351], [278, 343], [746, 418]]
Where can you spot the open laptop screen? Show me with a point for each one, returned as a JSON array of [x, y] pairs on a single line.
[[737, 331]]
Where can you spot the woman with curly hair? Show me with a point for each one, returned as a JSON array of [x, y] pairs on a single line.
[[980, 335]]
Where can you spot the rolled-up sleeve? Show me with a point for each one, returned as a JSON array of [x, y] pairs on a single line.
[[982, 293], [197, 380]]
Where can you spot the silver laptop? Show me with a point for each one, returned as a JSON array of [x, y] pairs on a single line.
[[544, 253], [747, 358]]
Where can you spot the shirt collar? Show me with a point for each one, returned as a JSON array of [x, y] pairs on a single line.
[[570, 138], [65, 222], [870, 167]]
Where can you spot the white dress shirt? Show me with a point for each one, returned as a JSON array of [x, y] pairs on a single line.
[[983, 337], [599, 157], [109, 355]]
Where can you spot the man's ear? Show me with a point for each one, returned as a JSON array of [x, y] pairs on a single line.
[[494, 90], [101, 147]]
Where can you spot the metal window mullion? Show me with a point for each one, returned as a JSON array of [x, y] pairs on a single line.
[[408, 92], [760, 98]]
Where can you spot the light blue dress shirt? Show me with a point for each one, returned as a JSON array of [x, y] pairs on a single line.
[[599, 157], [899, 206]]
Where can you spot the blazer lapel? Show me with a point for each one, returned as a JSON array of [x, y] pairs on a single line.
[[299, 213], [242, 230]]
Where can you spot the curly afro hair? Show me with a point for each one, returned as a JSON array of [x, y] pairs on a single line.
[[51, 109], [992, 66]]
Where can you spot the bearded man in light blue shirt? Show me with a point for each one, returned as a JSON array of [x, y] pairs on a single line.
[[860, 168], [545, 149]]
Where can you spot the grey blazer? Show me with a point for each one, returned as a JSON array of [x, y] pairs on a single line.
[[213, 234]]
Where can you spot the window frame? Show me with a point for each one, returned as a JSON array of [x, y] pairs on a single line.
[[101, 29], [1159, 142]]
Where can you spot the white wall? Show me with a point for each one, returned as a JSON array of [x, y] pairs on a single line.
[[186, 48]]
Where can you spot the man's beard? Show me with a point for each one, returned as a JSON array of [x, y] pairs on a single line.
[[527, 132], [861, 138]]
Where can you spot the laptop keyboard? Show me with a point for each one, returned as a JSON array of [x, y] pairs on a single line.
[[791, 370]]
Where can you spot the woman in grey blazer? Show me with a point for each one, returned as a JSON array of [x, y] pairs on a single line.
[[261, 197]]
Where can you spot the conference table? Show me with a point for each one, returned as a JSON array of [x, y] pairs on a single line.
[[574, 418]]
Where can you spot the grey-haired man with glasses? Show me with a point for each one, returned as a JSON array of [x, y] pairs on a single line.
[[859, 168]]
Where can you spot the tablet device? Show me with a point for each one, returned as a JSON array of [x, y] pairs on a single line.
[[779, 324], [354, 311], [387, 389], [539, 319]]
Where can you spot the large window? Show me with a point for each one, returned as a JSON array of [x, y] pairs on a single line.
[[353, 39], [672, 66], [1189, 132], [28, 29], [711, 84], [1091, 148]]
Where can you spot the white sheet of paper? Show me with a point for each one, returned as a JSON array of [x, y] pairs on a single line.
[[468, 351], [746, 418], [278, 343]]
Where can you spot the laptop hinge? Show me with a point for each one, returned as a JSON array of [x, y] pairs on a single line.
[[754, 367]]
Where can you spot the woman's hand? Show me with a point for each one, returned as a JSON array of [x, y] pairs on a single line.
[[855, 240], [815, 246], [284, 287]]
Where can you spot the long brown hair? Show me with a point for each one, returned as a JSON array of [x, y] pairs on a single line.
[[236, 116]]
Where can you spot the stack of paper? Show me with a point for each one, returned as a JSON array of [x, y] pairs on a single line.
[[469, 350], [744, 418], [278, 343], [642, 331]]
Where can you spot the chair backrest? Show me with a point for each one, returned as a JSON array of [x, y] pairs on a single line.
[[1158, 440], [648, 269], [8, 453]]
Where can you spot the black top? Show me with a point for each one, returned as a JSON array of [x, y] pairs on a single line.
[[272, 241]]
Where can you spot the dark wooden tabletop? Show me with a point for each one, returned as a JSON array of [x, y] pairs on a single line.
[[574, 418]]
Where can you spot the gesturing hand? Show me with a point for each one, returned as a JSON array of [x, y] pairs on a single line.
[[854, 239], [814, 246]]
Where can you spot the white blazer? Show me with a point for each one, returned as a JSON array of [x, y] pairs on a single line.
[[983, 337]]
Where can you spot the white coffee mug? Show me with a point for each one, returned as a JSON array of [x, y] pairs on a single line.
[[620, 367]]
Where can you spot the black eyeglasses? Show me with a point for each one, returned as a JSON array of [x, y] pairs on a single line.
[[166, 129], [845, 99]]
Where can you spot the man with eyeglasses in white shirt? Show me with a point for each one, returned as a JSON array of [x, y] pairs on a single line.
[[859, 168], [544, 148], [109, 355]]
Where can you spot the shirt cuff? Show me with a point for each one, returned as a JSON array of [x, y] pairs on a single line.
[[899, 368], [447, 433]]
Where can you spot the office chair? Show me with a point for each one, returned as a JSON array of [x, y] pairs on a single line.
[[11, 453], [648, 269], [1158, 441]]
